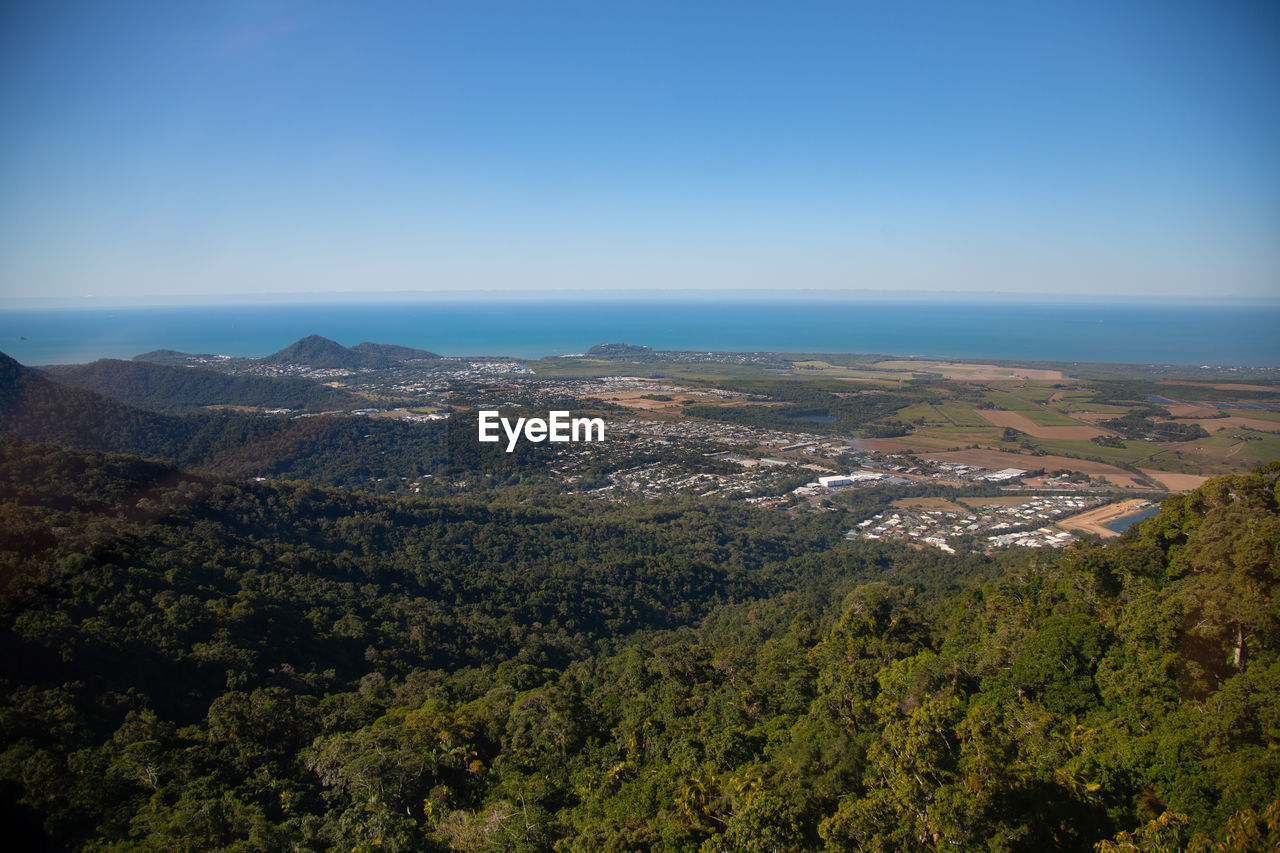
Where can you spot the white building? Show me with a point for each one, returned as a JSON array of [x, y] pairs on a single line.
[[1004, 474]]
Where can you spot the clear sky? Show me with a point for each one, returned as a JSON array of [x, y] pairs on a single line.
[[172, 149]]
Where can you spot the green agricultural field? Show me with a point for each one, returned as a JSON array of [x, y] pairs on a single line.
[[1260, 414], [927, 411], [1223, 440], [1266, 448], [1217, 453], [1102, 408], [1010, 401], [1048, 417], [711, 373], [1076, 395], [1036, 393], [1084, 400], [933, 367], [1133, 453], [962, 415], [835, 371], [1261, 446], [1031, 411]]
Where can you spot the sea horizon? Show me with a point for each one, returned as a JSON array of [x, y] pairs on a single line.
[[1032, 330]]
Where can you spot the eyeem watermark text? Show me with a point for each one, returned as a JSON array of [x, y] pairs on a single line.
[[557, 427]]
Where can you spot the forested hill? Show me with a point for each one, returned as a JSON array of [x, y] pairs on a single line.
[[320, 352], [396, 353], [199, 664], [165, 388], [36, 408], [335, 450]]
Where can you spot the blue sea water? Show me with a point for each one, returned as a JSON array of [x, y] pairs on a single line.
[[1120, 525], [1140, 334]]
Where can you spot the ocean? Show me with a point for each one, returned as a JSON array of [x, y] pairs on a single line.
[[1135, 334], [1120, 525]]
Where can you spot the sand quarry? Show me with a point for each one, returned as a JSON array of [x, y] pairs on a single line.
[[1091, 521]]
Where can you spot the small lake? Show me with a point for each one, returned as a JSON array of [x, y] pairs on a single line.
[[1120, 525], [817, 419]]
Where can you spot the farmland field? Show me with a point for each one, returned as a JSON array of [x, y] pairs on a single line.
[[1024, 423]]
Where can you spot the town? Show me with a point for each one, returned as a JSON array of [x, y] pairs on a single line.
[[1022, 523], [673, 428]]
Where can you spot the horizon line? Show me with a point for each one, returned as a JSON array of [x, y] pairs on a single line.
[[586, 295]]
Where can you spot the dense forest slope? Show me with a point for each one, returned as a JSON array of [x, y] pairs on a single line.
[[366, 453], [193, 663], [165, 388]]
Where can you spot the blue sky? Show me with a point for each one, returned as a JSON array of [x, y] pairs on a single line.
[[152, 151]]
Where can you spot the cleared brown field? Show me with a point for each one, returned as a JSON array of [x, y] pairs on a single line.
[[1021, 422], [1189, 411], [228, 407], [635, 400], [1175, 482]]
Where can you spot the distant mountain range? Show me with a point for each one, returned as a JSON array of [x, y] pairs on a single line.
[[319, 353]]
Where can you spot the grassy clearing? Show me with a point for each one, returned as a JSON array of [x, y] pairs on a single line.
[[929, 503]]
